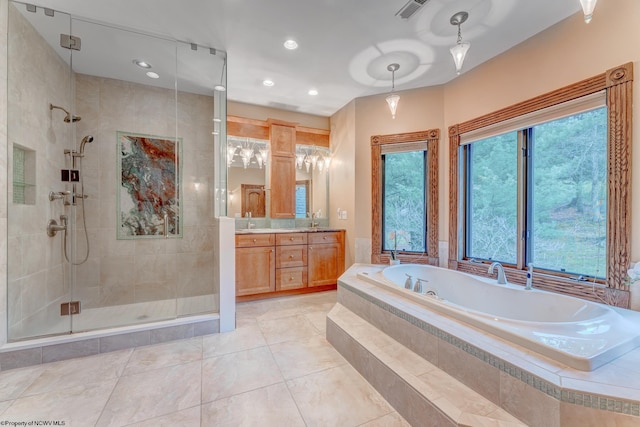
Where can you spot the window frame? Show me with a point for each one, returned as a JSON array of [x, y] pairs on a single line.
[[431, 137], [617, 84]]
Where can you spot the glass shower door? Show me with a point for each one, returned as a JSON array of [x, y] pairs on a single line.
[[41, 127]]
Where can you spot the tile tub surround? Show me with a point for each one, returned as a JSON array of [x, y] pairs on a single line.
[[257, 375], [501, 372]]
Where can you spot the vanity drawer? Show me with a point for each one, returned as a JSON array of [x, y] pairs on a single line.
[[250, 240], [320, 237], [291, 256], [291, 278], [283, 239]]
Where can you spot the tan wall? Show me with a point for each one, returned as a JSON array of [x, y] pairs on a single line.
[[563, 54]]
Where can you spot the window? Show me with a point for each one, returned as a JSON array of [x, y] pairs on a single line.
[[302, 199], [547, 181], [404, 201], [405, 197], [563, 172]]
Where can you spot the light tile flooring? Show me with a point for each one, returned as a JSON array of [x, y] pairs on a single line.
[[275, 369]]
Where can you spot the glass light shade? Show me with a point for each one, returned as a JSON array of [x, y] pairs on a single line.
[[393, 100], [459, 51], [300, 160], [246, 155], [231, 152], [327, 162], [587, 7]]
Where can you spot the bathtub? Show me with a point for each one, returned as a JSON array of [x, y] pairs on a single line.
[[581, 334]]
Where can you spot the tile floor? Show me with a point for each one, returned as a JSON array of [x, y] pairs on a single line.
[[275, 369]]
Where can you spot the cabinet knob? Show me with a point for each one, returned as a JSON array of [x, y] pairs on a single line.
[[271, 250], [291, 238], [290, 256], [324, 237], [255, 240], [290, 279], [310, 247]]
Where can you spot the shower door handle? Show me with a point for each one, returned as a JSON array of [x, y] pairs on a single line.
[[165, 226]]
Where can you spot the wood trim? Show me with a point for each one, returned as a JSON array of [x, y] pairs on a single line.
[[619, 101], [278, 294], [432, 137], [259, 129], [618, 84]]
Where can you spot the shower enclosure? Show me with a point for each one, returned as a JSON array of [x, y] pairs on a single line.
[[113, 177]]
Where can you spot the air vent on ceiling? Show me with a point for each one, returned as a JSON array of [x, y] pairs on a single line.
[[409, 9]]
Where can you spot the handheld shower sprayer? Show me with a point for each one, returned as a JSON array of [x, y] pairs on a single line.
[[86, 139], [69, 118]]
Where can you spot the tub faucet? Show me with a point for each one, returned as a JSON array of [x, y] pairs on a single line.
[[502, 279]]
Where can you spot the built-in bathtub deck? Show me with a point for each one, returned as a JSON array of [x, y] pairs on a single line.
[[532, 388]]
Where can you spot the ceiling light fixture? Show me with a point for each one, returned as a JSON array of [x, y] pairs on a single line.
[[291, 44], [219, 88], [142, 64], [393, 99], [268, 83], [313, 92], [587, 8], [153, 75], [459, 51]]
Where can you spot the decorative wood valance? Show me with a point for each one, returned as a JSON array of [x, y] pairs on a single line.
[[259, 129]]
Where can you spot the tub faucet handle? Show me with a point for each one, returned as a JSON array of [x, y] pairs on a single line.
[[408, 284], [418, 286]]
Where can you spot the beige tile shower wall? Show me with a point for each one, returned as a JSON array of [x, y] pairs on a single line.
[[36, 77], [132, 271]]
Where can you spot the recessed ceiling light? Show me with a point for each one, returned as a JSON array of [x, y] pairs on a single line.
[[268, 83], [219, 88], [291, 44], [313, 92], [153, 75], [141, 63]]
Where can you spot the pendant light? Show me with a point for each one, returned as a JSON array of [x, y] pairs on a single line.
[[393, 99], [587, 8], [459, 51]]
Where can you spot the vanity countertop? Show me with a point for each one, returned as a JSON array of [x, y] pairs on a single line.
[[286, 230]]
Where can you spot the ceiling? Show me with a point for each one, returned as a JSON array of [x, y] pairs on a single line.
[[344, 46]]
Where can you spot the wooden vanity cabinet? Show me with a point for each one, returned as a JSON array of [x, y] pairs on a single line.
[[270, 265], [325, 257], [282, 138], [255, 264], [291, 261]]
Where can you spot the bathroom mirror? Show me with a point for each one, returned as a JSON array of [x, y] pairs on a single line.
[[248, 178]]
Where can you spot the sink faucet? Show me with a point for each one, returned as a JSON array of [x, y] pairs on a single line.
[[314, 224], [502, 279], [249, 223]]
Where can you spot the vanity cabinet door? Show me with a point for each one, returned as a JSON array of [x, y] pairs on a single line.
[[325, 258], [283, 187], [255, 270]]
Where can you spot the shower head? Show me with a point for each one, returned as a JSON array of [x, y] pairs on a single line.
[[69, 118], [88, 138]]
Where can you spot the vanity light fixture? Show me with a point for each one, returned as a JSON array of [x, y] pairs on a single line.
[[153, 75], [587, 7], [310, 157], [459, 51], [393, 99], [291, 44]]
